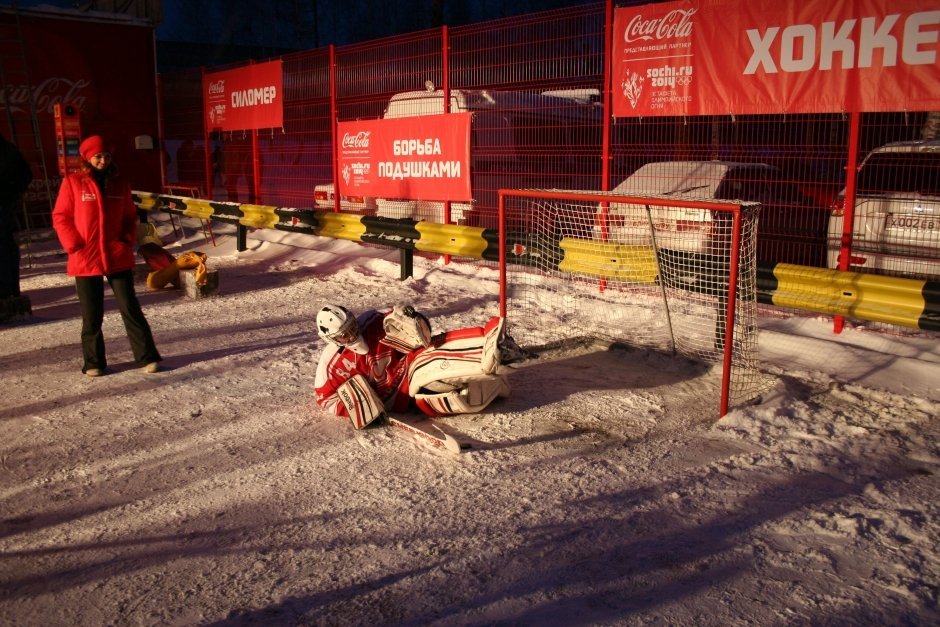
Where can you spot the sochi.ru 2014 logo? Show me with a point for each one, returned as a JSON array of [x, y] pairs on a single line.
[[632, 86], [216, 114], [346, 173]]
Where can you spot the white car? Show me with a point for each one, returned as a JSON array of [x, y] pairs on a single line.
[[421, 210], [897, 212], [790, 227], [324, 197]]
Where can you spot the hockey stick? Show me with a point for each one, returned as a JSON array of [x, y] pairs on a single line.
[[426, 432]]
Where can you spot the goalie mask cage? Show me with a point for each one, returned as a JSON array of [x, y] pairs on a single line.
[[655, 272]]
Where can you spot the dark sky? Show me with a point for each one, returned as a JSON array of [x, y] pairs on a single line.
[[312, 24], [218, 32], [306, 24]]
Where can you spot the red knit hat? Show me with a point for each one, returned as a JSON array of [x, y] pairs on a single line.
[[92, 146]]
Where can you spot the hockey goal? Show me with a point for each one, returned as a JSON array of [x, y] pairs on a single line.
[[662, 273]]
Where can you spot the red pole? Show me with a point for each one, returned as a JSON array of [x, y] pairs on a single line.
[[848, 205], [502, 254], [730, 312], [255, 168], [161, 140], [607, 96], [445, 87], [255, 165], [207, 157], [333, 128]]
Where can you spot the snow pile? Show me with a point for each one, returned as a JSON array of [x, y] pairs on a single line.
[[603, 491]]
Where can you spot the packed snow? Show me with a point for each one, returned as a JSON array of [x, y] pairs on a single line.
[[603, 491]]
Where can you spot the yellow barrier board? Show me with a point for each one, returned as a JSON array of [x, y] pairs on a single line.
[[635, 264], [258, 216], [451, 239], [851, 294], [856, 295], [196, 208], [340, 226]]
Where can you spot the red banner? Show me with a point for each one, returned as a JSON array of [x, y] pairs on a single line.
[[419, 158], [245, 98], [719, 57]]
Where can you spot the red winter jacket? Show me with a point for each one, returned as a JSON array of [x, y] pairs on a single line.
[[97, 230]]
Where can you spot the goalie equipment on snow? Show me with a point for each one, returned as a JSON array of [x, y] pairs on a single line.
[[464, 353], [467, 395], [406, 329], [337, 325], [362, 403]]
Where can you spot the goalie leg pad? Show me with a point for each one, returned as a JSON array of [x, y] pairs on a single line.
[[463, 353], [362, 403], [473, 396], [489, 361]]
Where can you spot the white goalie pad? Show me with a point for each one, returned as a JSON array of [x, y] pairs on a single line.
[[492, 332], [361, 401], [470, 353], [406, 329], [468, 396]]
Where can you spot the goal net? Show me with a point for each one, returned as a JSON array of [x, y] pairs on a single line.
[[661, 273]]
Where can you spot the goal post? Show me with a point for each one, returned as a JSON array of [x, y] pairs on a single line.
[[668, 274]]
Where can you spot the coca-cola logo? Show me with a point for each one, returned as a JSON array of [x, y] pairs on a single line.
[[359, 140], [217, 87], [675, 24], [46, 94]]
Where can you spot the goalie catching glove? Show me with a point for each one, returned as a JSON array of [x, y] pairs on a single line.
[[406, 329], [362, 403]]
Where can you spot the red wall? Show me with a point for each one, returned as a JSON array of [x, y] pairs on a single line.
[[108, 70]]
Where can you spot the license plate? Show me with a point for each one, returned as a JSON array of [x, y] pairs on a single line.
[[914, 223]]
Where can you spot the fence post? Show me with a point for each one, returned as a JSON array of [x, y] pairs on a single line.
[[848, 205], [445, 88], [241, 238], [407, 257], [333, 128], [208, 157], [607, 96]]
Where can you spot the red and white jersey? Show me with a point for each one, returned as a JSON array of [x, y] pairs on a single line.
[[383, 367]]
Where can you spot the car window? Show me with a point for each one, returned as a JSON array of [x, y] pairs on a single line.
[[744, 184], [885, 172]]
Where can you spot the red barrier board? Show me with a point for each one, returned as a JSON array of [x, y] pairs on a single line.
[[720, 57], [419, 158], [245, 98]]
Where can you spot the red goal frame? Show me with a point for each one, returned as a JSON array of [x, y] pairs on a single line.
[[605, 199]]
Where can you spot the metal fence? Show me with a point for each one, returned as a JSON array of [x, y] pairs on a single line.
[[546, 126]]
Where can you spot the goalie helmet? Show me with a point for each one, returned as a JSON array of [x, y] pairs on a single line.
[[337, 325]]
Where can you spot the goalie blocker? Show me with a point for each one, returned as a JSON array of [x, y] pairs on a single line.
[[362, 403]]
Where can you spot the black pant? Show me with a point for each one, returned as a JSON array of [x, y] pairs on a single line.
[[9, 264], [91, 297]]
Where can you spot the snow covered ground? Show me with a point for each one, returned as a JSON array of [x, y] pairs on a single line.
[[602, 492]]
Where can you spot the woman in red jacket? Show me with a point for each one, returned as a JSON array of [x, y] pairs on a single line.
[[96, 222]]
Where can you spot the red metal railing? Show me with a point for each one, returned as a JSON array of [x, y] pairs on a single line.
[[554, 130]]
